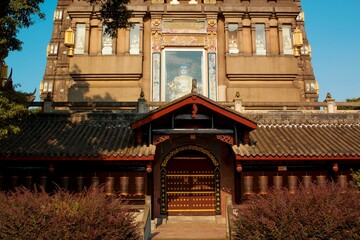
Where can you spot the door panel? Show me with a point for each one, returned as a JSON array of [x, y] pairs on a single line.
[[190, 187]]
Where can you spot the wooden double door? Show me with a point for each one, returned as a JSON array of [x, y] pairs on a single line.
[[190, 188]]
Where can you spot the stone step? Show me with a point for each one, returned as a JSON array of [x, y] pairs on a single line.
[[188, 231], [194, 219], [190, 227]]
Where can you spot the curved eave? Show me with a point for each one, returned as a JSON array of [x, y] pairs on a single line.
[[77, 158], [295, 158], [191, 99]]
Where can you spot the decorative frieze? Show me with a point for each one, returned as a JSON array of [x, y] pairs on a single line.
[[184, 40], [174, 26]]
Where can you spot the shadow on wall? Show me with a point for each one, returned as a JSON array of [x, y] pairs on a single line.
[[80, 89]]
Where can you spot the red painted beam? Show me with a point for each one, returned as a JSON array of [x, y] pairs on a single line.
[[296, 158]]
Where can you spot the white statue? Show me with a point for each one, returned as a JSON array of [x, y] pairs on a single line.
[[181, 84]]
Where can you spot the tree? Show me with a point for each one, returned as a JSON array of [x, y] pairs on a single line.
[[14, 15], [18, 14], [350, 108], [114, 14], [356, 179], [13, 108]]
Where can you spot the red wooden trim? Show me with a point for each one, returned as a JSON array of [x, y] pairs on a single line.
[[191, 100], [80, 158], [296, 158]]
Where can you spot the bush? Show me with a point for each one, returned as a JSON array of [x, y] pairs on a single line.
[[355, 179], [317, 212], [28, 215]]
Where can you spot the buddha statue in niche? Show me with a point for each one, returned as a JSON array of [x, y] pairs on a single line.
[[182, 84]]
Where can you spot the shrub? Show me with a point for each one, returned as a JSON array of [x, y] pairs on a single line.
[[28, 215], [355, 179], [316, 212]]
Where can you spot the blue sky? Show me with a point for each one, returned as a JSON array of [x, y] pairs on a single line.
[[331, 26]]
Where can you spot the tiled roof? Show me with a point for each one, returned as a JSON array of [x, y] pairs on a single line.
[[83, 136], [306, 135], [108, 136]]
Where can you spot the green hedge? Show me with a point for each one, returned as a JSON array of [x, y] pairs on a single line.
[[28, 215], [317, 212]]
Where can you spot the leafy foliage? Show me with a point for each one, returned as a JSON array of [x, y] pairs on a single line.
[[14, 15], [316, 212], [356, 179], [18, 14], [13, 108], [114, 14], [350, 108], [89, 215]]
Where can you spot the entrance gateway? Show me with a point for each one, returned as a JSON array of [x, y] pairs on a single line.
[[190, 182]]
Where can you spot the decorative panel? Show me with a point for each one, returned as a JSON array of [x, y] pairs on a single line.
[[212, 76], [184, 26], [156, 77]]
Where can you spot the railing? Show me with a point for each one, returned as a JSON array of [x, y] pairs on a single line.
[[245, 106], [146, 220], [83, 106], [277, 105], [229, 217]]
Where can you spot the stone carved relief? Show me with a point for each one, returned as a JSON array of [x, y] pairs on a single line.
[[184, 40], [156, 41], [156, 77], [184, 26], [212, 76], [211, 41]]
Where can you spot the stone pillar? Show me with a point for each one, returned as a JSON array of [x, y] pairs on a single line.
[[267, 39], [330, 102], [141, 108], [48, 104], [238, 103], [280, 37]]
